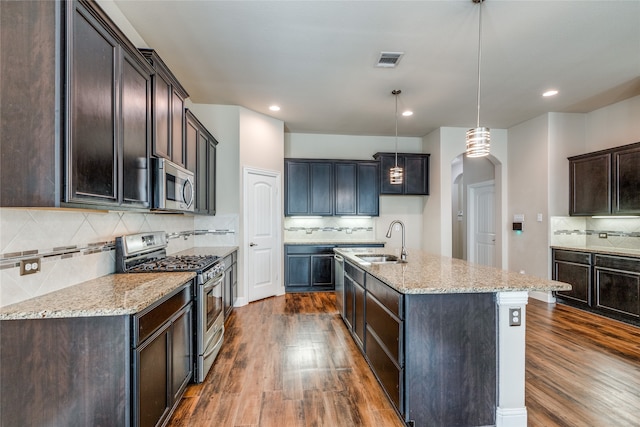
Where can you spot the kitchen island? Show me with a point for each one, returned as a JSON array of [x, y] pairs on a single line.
[[444, 337]]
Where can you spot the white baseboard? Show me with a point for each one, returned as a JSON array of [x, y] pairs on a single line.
[[240, 301], [543, 296], [511, 417]]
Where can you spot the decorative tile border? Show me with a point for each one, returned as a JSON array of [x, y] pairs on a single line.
[[610, 233], [12, 259], [347, 230]]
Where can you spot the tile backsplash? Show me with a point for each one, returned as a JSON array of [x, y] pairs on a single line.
[[75, 246], [328, 228], [621, 233]]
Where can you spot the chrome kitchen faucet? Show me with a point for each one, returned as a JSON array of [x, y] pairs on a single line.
[[403, 251]]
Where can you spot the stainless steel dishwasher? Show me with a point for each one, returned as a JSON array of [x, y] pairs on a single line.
[[338, 269]]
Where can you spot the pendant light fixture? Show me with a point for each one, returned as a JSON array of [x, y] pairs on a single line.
[[395, 173], [478, 138]]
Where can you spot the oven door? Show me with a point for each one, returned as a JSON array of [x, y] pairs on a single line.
[[210, 324]]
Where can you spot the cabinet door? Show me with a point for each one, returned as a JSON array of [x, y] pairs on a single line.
[[162, 95], [387, 161], [618, 291], [348, 301], [92, 159], [181, 353], [191, 144], [297, 187], [298, 271], [626, 181], [153, 399], [359, 314], [346, 188], [201, 205], [211, 177], [368, 190], [590, 185], [416, 175], [136, 133], [578, 276], [322, 271], [321, 200], [177, 128]]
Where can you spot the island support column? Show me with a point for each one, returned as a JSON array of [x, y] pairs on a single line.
[[511, 411]]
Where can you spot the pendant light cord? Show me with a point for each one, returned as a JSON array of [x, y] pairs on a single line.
[[479, 59], [396, 95]]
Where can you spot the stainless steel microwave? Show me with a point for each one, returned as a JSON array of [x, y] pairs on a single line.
[[173, 187]]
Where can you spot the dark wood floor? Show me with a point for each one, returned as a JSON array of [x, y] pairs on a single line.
[[289, 361]]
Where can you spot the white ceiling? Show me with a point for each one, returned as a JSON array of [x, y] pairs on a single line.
[[316, 58]]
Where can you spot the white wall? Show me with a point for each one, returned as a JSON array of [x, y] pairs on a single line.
[[445, 144], [615, 125], [528, 195]]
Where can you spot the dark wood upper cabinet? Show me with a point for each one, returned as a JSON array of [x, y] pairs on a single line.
[[590, 185], [331, 187], [200, 155], [605, 182], [108, 113], [168, 111], [30, 52], [71, 135], [416, 173], [626, 180]]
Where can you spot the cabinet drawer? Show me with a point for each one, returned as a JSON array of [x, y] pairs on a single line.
[[618, 263], [386, 326], [389, 374], [618, 291], [571, 256], [354, 272], [388, 297], [147, 322]]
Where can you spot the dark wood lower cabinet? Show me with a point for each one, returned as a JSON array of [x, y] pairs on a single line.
[[65, 372], [606, 284], [127, 370]]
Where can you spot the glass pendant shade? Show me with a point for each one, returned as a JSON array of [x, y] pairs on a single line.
[[395, 175], [478, 142]]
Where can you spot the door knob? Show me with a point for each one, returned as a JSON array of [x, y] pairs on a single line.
[[253, 244]]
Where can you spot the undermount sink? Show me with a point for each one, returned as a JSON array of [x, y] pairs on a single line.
[[378, 258]]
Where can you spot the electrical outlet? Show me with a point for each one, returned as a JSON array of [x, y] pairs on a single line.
[[29, 266], [603, 235], [515, 317]]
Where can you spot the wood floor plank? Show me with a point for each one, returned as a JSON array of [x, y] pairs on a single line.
[[289, 361]]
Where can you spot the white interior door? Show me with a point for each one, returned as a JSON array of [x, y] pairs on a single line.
[[482, 223], [262, 237]]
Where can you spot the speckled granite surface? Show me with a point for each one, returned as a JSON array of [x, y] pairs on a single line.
[[602, 250], [434, 274], [334, 242], [111, 295]]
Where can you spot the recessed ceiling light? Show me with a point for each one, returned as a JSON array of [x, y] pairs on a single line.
[[550, 93], [407, 113], [274, 108]]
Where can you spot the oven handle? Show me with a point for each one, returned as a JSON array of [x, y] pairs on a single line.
[[213, 349], [213, 282]]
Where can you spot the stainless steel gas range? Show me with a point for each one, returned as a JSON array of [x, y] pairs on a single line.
[[145, 252]]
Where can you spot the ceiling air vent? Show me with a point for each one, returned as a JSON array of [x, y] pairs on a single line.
[[389, 59]]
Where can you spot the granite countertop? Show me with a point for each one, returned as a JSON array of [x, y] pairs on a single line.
[[602, 250], [111, 295], [434, 274]]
